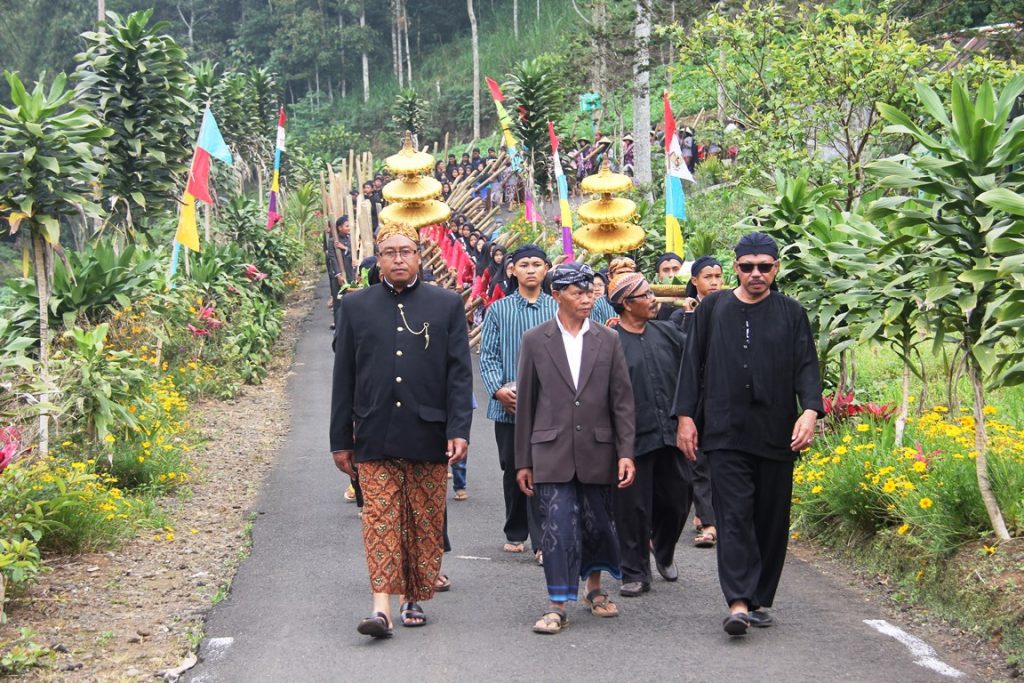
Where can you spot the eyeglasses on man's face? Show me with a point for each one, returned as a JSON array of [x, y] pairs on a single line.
[[391, 254], [649, 294], [763, 268]]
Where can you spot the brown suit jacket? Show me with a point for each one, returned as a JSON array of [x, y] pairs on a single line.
[[562, 432]]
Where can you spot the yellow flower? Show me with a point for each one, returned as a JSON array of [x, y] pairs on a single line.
[[863, 428], [842, 450], [919, 466], [818, 489], [889, 486], [925, 503], [903, 529], [847, 439], [795, 535], [989, 549], [169, 536], [990, 410], [109, 438], [142, 459]]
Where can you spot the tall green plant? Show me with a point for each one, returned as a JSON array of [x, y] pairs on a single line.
[[135, 79], [536, 96], [46, 171], [409, 113], [958, 182]]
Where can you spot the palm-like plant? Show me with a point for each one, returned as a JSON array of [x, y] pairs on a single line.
[[46, 172], [960, 185], [408, 113], [135, 80], [536, 96]]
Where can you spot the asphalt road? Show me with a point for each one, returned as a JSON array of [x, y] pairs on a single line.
[[295, 603]]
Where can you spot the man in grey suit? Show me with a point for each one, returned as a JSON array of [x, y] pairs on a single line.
[[574, 441]]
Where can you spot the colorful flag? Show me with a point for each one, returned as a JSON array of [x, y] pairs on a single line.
[[676, 172], [273, 215], [506, 125], [210, 144], [563, 195]]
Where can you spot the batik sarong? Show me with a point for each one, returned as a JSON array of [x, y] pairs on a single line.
[[403, 525], [578, 535]]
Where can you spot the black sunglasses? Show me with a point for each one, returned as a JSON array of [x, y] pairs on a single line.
[[764, 268]]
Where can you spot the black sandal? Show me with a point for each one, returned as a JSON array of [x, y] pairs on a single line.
[[376, 625], [411, 611]]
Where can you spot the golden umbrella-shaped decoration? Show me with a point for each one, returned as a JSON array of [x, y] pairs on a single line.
[[606, 229], [411, 195]]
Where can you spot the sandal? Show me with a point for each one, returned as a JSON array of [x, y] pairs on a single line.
[[705, 539], [511, 547], [377, 626], [443, 584], [412, 615], [461, 495], [551, 622], [601, 608]]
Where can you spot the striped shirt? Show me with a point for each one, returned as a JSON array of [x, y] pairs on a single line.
[[504, 325]]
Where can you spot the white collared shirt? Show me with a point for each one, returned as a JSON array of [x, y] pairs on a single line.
[[573, 349]]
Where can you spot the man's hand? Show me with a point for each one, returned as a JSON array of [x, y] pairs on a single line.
[[803, 431], [456, 450], [686, 437], [627, 471], [525, 480], [343, 461], [340, 277], [507, 398]]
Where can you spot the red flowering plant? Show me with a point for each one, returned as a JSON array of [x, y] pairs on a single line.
[[10, 444], [253, 273], [843, 406]]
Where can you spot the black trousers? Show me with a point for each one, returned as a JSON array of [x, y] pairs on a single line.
[[652, 512], [752, 499], [520, 519], [700, 489]]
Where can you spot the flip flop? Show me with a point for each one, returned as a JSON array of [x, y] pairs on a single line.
[[443, 584], [376, 625], [412, 615], [514, 547]]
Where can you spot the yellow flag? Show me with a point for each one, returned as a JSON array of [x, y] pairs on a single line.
[[188, 230], [673, 235]]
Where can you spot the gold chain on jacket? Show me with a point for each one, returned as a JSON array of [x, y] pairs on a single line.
[[425, 330]]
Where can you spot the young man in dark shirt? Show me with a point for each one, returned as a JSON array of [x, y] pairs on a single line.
[[749, 363]]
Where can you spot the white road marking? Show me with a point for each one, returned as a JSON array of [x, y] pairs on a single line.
[[924, 654], [471, 557]]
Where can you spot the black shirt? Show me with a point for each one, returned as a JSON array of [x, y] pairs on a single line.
[[651, 357], [745, 369]]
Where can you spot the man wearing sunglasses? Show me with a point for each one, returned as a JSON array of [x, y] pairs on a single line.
[[748, 395]]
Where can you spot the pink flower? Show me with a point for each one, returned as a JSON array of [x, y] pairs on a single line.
[[253, 273], [197, 331], [10, 443], [207, 315]]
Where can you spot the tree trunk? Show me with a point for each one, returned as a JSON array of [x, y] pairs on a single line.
[[600, 23], [995, 515], [515, 19], [39, 257], [408, 56], [901, 418], [476, 69], [538, 12], [366, 61], [642, 95]]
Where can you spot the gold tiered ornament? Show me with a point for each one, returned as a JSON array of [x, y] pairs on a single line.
[[412, 194], [606, 229]]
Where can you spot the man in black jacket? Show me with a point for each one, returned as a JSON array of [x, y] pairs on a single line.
[[749, 363], [650, 514], [400, 413]]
